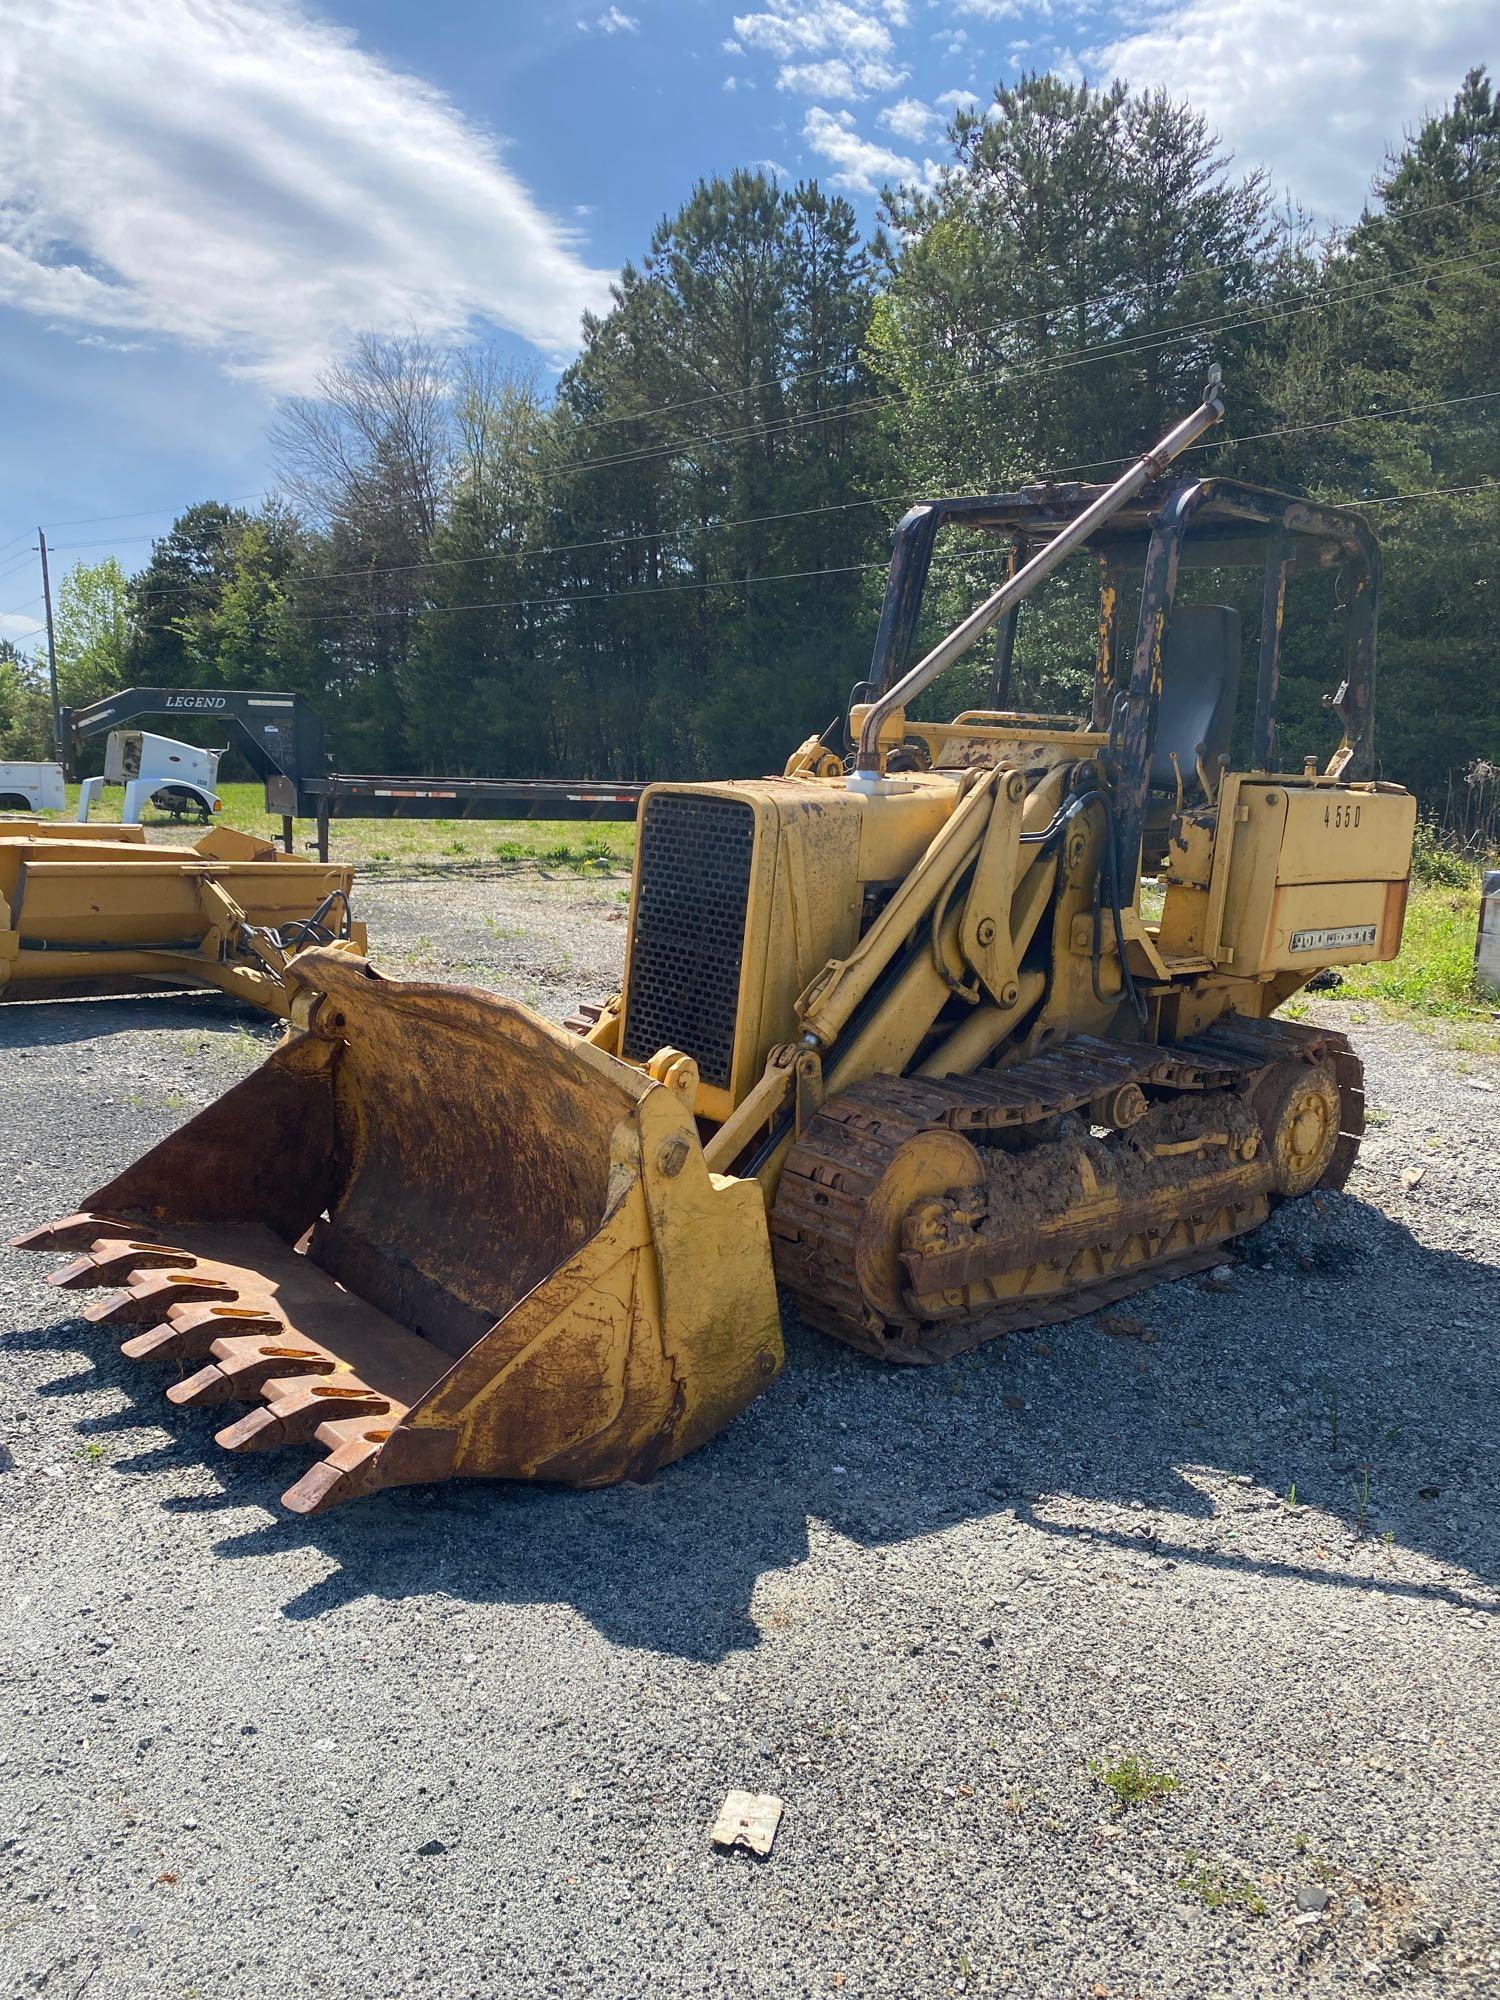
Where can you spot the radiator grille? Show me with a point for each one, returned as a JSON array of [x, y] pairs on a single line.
[[689, 930]]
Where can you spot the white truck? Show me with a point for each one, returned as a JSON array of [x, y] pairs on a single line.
[[32, 787], [177, 777]]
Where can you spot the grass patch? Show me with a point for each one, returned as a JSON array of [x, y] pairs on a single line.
[[1432, 982], [1135, 1781], [390, 846], [1218, 1891], [1435, 972]]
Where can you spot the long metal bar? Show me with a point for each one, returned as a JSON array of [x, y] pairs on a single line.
[[1272, 617], [1005, 634], [866, 773]]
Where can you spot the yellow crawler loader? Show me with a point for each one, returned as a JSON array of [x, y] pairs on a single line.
[[94, 909], [899, 1034]]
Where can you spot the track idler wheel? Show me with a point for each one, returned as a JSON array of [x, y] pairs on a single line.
[[1298, 1106], [930, 1165]]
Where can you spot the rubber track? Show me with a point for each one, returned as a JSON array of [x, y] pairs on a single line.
[[836, 1164]]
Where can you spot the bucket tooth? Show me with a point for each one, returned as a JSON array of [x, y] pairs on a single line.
[[258, 1430], [350, 1470], [294, 1408], [78, 1232], [559, 1290], [188, 1332], [109, 1259], [240, 1367], [143, 1299]]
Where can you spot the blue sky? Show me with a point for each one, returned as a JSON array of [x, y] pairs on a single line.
[[201, 201]]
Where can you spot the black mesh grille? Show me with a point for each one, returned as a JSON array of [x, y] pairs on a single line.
[[689, 930]]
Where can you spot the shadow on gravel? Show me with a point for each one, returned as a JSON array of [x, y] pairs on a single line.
[[38, 1024], [1347, 1361]]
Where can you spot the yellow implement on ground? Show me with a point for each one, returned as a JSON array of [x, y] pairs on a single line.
[[897, 1033], [95, 909]]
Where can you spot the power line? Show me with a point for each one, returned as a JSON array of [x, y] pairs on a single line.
[[792, 576], [1397, 217], [837, 507], [778, 576], [20, 563], [584, 596], [1296, 430], [1125, 348], [1112, 291], [1491, 485], [145, 513]]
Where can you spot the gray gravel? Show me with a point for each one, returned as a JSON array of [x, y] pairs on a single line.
[[470, 1740]]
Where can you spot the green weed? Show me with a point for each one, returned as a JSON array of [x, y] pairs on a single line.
[[1218, 1891], [1360, 1488], [1433, 862], [1135, 1781]]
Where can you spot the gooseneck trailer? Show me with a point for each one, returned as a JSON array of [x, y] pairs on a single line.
[[282, 738]]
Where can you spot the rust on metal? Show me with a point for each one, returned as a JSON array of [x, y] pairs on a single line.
[[1068, 1221], [435, 1235]]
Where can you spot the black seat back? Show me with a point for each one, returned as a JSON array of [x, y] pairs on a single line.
[[1200, 684]]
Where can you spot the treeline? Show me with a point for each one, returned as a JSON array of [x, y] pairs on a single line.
[[672, 564]]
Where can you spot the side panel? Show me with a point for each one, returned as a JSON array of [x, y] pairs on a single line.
[[1309, 876]]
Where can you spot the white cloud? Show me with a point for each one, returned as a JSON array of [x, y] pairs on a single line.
[[837, 78], [237, 176], [613, 22], [828, 48], [20, 628], [914, 121], [909, 119], [816, 27], [1314, 90], [861, 165], [730, 83], [989, 10]]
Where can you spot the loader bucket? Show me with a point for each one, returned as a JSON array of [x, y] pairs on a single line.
[[437, 1236]]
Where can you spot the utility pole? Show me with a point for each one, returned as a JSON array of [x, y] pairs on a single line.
[[57, 736]]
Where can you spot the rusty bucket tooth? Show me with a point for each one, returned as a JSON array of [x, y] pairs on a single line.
[[188, 1333], [147, 1296], [77, 1232], [240, 1368], [109, 1259], [350, 1469], [505, 1242], [294, 1407]]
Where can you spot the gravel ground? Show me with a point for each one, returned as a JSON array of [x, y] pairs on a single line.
[[469, 1740]]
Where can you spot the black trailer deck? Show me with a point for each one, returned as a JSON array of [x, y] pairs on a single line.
[[281, 736], [341, 796]]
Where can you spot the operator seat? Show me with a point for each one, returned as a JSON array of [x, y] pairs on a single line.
[[1200, 684]]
